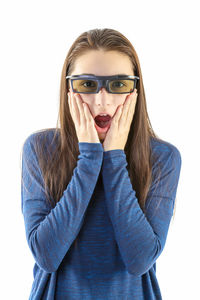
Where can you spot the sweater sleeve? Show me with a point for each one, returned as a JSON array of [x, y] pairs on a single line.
[[140, 237], [51, 231]]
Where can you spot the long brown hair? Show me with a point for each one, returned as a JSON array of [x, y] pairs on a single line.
[[58, 158]]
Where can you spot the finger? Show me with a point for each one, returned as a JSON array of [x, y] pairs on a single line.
[[69, 99], [69, 104], [80, 108], [118, 114], [75, 107], [88, 116], [132, 107], [87, 112], [133, 103], [126, 108]]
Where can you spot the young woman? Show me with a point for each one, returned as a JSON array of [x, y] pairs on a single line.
[[98, 192]]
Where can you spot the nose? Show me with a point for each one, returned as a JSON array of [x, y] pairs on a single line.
[[102, 97], [102, 90]]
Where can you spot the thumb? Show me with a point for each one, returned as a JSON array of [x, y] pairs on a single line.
[[118, 112]]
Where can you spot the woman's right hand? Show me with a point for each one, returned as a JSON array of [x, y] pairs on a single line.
[[82, 118]]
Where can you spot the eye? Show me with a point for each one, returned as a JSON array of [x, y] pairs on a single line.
[[88, 83], [118, 84]]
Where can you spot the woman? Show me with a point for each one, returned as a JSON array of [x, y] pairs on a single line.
[[98, 193]]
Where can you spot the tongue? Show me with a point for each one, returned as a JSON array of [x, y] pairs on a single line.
[[102, 121], [102, 118]]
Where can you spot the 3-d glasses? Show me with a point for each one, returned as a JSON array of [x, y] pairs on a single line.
[[90, 84]]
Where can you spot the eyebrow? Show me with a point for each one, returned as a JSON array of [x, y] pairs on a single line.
[[97, 75]]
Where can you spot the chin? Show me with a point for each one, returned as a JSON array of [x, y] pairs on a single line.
[[101, 135]]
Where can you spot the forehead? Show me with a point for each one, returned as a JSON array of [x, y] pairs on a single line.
[[103, 63]]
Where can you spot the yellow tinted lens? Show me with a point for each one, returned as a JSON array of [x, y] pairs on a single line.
[[85, 85], [121, 86]]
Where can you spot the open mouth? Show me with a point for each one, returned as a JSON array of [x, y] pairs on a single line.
[[103, 121], [103, 124], [105, 127]]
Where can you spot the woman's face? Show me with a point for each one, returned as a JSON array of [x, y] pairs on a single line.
[[103, 63]]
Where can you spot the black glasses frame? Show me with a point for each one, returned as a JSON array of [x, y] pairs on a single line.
[[103, 81]]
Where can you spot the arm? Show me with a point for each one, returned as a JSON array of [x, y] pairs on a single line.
[[51, 232], [140, 238]]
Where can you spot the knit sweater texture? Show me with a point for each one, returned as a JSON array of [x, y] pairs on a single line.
[[96, 243]]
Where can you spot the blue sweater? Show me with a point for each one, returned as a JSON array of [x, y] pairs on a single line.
[[96, 243]]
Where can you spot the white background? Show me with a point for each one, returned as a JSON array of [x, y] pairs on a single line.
[[35, 39]]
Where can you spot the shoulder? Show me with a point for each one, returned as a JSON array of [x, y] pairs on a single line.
[[43, 136], [163, 151]]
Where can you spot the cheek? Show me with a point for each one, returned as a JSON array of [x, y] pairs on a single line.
[[115, 102], [121, 99], [87, 99]]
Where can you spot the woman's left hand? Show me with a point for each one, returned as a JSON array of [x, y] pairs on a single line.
[[117, 134]]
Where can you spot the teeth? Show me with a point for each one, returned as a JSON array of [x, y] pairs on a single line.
[[103, 114]]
